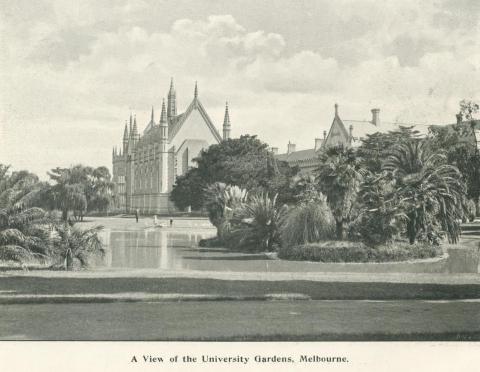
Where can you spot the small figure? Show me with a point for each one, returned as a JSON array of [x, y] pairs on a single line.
[[136, 214], [155, 222], [171, 222]]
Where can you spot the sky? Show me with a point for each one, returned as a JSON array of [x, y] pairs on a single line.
[[72, 72]]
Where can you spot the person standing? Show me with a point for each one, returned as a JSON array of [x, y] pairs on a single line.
[[136, 215]]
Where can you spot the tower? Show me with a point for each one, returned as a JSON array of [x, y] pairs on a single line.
[[226, 124], [164, 150], [171, 102]]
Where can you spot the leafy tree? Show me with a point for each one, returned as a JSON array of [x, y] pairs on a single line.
[[189, 190], [375, 147], [339, 176], [245, 162], [468, 108], [428, 190], [79, 189], [458, 141]]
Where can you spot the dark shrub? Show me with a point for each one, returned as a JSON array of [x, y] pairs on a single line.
[[308, 223], [210, 243]]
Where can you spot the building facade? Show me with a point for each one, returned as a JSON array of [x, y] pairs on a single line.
[[146, 166], [348, 133]]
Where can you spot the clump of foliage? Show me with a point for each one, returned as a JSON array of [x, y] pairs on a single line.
[[28, 234], [380, 217], [221, 202], [256, 225], [308, 222]]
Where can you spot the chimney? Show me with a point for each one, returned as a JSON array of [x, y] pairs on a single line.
[[275, 150], [290, 148], [376, 117], [351, 130], [459, 118], [318, 143], [324, 134]]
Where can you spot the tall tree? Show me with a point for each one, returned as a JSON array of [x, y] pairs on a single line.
[[245, 162], [429, 190], [339, 175]]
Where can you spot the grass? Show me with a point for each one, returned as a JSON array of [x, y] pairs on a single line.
[[316, 290], [244, 321]]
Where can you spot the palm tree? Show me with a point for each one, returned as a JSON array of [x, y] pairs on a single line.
[[429, 190], [221, 202], [339, 176], [72, 242], [24, 234]]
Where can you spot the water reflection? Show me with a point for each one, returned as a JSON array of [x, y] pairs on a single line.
[[150, 248], [177, 249]]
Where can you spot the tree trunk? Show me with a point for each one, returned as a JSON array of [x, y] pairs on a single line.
[[339, 229], [69, 260], [411, 231], [65, 215], [477, 206]]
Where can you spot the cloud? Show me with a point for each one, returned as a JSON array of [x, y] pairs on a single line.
[[77, 72]]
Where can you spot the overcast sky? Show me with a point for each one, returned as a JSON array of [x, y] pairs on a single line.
[[70, 74]]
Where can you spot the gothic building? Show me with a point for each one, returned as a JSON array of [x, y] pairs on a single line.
[[146, 165]]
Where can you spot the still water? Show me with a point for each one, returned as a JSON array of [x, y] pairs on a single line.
[[177, 248]]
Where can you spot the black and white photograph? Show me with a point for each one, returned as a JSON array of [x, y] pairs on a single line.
[[240, 171]]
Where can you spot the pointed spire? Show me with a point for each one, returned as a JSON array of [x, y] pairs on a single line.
[[131, 123], [226, 118], [226, 123], [163, 115], [125, 132], [152, 120], [135, 132], [172, 102], [195, 93]]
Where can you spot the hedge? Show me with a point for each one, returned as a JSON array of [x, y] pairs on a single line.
[[345, 251]]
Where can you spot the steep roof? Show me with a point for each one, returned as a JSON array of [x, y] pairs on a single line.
[[194, 105]]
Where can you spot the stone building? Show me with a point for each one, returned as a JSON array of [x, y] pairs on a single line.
[[348, 133], [146, 165]]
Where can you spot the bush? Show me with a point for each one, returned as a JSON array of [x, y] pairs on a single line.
[[308, 223], [345, 251], [211, 243], [255, 226], [374, 228]]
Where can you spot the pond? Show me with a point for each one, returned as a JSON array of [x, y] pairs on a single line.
[[176, 248]]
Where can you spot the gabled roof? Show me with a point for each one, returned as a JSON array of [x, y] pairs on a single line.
[[336, 123], [194, 105]]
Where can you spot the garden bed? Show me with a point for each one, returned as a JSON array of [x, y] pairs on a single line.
[[357, 252]]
